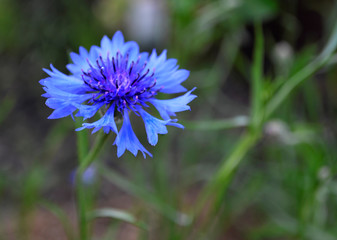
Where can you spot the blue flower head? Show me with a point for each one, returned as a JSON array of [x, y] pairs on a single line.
[[117, 79]]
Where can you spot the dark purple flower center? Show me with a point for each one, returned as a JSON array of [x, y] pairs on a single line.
[[116, 80]]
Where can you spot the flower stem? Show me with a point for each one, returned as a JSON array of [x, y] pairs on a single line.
[[84, 163], [225, 172], [100, 140]]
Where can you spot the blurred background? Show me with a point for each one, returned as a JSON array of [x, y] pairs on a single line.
[[286, 187]]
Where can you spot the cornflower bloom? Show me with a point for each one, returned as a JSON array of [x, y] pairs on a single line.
[[116, 79]]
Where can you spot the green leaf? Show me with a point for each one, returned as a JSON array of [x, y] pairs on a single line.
[[119, 215], [303, 74], [257, 77]]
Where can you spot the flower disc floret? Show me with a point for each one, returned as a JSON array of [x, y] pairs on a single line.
[[120, 81]]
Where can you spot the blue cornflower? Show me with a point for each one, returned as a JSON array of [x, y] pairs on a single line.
[[116, 79]]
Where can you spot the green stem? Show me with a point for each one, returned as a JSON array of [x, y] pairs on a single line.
[[222, 177], [214, 192], [303, 74], [257, 77], [292, 83], [80, 188], [101, 138], [216, 125], [228, 166]]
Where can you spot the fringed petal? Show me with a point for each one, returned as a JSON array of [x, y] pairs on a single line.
[[169, 107], [127, 140], [107, 122], [153, 126]]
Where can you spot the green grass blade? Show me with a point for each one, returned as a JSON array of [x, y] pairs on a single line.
[[303, 74], [331, 45], [257, 76], [216, 125], [118, 215]]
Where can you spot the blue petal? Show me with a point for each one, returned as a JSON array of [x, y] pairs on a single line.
[[64, 82], [173, 89], [80, 61], [169, 78], [172, 82], [174, 123], [132, 49], [106, 45], [117, 42], [62, 112], [107, 122], [112, 46], [153, 126], [155, 61], [55, 103], [169, 107], [63, 102], [127, 140], [87, 111], [142, 58], [167, 66], [54, 92]]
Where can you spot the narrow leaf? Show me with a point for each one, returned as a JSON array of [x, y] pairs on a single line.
[[118, 215]]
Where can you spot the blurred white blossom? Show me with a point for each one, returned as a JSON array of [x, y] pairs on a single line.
[[147, 21]]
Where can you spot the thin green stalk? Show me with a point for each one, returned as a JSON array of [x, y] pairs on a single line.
[[213, 193], [217, 125], [222, 177], [80, 188], [228, 166], [257, 77], [101, 138], [303, 74], [291, 84], [82, 138], [81, 207]]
